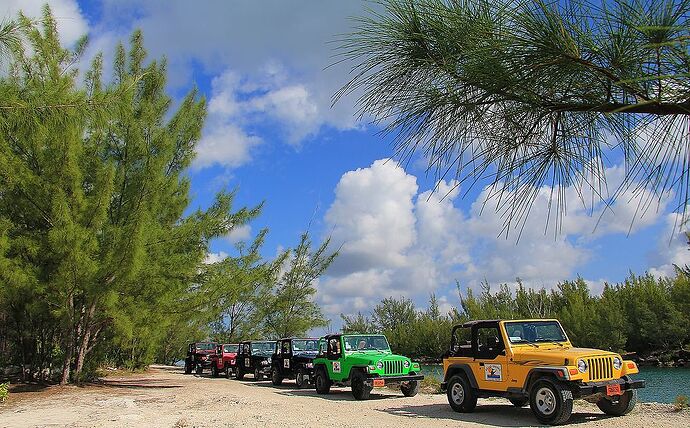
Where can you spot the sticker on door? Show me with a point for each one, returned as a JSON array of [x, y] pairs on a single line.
[[492, 372]]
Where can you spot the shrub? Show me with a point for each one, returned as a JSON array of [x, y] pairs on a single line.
[[4, 391], [430, 385], [680, 403]]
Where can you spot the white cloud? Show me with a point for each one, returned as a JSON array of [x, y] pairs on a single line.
[[237, 234], [270, 61], [672, 248], [215, 257], [224, 144], [398, 242], [70, 22]]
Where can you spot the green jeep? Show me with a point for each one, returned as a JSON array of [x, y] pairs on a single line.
[[364, 362]]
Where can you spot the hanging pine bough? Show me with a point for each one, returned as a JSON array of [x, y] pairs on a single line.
[[532, 95]]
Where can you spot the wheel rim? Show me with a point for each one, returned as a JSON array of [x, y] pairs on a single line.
[[299, 379], [457, 393], [546, 400]]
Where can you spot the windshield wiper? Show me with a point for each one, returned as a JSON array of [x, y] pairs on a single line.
[[528, 342]]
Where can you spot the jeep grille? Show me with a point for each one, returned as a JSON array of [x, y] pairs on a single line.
[[600, 368], [393, 367]]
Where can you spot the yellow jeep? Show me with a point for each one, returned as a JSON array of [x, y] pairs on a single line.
[[532, 361]]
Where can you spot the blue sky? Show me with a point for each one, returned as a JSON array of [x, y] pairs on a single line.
[[272, 135]]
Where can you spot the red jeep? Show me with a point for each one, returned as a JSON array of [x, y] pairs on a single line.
[[224, 360], [199, 356]]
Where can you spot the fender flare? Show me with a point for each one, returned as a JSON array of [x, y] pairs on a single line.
[[558, 373], [463, 368]]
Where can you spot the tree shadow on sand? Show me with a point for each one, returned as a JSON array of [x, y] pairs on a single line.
[[498, 415]]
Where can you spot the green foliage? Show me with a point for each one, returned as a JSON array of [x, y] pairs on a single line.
[[530, 94], [99, 254], [287, 303], [643, 314], [680, 403], [4, 391]]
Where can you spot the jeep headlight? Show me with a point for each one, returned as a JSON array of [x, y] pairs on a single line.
[[582, 365], [406, 364], [617, 363], [379, 365]]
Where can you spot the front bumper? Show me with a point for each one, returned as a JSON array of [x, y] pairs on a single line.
[[592, 388], [390, 379]]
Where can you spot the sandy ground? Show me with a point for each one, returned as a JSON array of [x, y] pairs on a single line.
[[164, 397]]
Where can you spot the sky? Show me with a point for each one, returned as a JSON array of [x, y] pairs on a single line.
[[268, 71]]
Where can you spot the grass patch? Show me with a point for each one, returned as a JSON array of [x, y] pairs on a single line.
[[680, 403], [430, 385]]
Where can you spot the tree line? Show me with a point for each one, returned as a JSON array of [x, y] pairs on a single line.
[[643, 314], [102, 256]]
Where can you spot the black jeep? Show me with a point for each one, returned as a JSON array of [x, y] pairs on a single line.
[[254, 357], [199, 356], [294, 359]]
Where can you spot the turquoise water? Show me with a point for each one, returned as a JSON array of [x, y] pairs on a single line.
[[663, 384]]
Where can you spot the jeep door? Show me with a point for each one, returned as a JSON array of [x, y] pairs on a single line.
[[490, 363], [334, 355], [285, 359]]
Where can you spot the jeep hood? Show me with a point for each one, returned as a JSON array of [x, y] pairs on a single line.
[[546, 354], [368, 358]]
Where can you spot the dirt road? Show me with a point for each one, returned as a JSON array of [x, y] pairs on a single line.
[[167, 398]]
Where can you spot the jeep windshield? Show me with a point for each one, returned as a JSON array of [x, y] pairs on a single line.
[[263, 347], [305, 345], [205, 346], [366, 342], [231, 348], [532, 332]]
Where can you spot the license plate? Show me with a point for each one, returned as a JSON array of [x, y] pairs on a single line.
[[378, 383], [614, 389]]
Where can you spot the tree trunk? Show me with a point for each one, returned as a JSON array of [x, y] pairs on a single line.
[[87, 332], [67, 362]]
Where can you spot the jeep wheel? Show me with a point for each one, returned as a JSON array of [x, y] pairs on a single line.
[[409, 389], [276, 378], [323, 383], [228, 372], [239, 374], [519, 402], [257, 374], [620, 405], [300, 378], [214, 371], [187, 366], [550, 401], [360, 390], [461, 396], [199, 369]]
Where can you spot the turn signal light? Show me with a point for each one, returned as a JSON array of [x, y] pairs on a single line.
[[631, 365], [573, 371]]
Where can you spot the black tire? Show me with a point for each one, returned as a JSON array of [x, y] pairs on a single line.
[[257, 374], [214, 370], [276, 378], [409, 389], [299, 378], [360, 390], [239, 373], [322, 382], [550, 401], [187, 366], [519, 402], [199, 369], [461, 397], [619, 406]]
